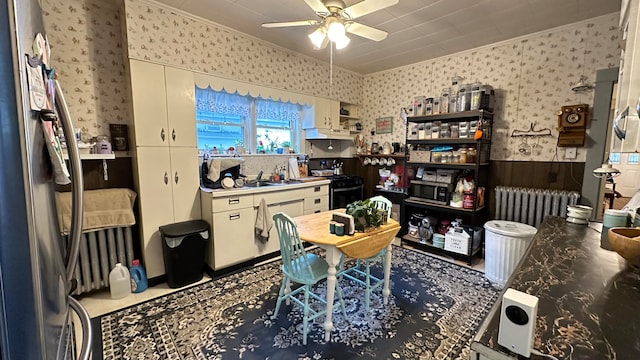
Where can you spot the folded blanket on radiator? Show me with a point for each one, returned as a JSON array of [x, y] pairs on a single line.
[[103, 208]]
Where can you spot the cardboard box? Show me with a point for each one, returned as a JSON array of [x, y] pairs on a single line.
[[457, 240], [429, 175]]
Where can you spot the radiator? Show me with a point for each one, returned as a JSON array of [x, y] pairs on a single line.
[[530, 206], [100, 250]]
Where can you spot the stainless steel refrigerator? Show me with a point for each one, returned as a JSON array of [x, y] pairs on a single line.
[[35, 271]]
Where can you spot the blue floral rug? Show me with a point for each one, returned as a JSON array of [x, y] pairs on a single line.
[[434, 309]]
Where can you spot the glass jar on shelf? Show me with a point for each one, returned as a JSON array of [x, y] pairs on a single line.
[[462, 153], [472, 154], [436, 157]]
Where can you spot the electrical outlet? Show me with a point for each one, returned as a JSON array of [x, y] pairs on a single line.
[[552, 177], [570, 153]]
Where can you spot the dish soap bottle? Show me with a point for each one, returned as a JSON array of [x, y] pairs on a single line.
[[119, 282], [138, 277]]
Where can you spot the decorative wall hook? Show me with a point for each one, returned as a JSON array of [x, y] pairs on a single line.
[[531, 132]]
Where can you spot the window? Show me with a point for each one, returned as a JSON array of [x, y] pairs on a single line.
[[633, 159], [614, 158], [230, 120]]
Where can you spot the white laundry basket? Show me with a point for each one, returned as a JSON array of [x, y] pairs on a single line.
[[505, 243]]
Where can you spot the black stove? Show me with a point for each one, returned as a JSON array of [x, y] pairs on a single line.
[[344, 189], [344, 181]]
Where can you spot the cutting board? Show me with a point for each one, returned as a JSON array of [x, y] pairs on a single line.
[[310, 178]]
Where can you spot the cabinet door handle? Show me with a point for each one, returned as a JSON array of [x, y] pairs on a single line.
[[235, 216], [162, 134], [317, 201], [166, 178], [173, 134], [316, 189], [234, 201], [176, 177], [317, 211]]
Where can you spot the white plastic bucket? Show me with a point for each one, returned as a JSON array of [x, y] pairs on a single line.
[[119, 281], [505, 243]]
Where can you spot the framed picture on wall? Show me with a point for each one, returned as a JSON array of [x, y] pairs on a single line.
[[384, 125]]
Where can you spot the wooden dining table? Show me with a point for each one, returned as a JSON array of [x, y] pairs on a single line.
[[314, 228]]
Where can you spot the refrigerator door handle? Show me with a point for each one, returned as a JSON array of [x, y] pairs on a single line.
[[87, 331], [77, 186]]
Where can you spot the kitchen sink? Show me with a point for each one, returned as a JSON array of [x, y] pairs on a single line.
[[259, 183]]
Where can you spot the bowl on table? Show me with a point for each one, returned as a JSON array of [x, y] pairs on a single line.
[[626, 242]]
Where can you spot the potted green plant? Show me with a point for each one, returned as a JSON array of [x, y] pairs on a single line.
[[366, 216], [287, 146]]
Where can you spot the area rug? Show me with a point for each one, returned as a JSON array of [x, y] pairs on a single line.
[[433, 311]]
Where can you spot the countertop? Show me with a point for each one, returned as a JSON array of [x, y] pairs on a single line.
[[263, 189], [589, 299]]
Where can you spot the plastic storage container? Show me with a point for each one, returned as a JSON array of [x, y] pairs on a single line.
[[612, 218], [138, 277], [183, 247], [505, 243], [119, 282]]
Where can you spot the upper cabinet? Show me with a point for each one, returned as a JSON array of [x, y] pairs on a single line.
[[181, 107], [163, 105], [326, 115]]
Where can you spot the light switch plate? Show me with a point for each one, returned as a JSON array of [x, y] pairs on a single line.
[[570, 153]]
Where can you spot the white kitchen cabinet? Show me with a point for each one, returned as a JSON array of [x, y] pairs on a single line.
[[163, 105], [293, 206], [316, 199], [181, 107], [232, 237], [231, 219], [149, 102], [168, 192], [166, 158], [326, 115]]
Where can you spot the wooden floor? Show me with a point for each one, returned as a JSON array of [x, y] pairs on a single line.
[[620, 202]]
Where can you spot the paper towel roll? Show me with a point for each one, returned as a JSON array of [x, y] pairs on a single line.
[[294, 173]]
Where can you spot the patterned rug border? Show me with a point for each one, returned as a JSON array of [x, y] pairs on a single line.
[[97, 343]]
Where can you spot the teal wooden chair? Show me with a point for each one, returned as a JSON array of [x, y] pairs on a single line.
[[302, 268], [361, 272]]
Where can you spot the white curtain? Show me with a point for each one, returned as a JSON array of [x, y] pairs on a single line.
[[276, 110], [222, 103]]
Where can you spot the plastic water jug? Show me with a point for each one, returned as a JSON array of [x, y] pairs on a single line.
[[138, 277], [119, 281]]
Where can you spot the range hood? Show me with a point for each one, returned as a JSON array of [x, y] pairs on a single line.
[[328, 134]]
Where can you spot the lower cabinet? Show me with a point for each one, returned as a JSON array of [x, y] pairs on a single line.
[[232, 219], [232, 237]]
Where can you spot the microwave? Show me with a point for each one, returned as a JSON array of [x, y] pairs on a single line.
[[431, 191]]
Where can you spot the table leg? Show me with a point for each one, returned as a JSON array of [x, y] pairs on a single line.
[[333, 258], [387, 273]]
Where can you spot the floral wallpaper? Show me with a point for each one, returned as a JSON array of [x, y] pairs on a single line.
[[158, 34], [532, 76], [87, 53]]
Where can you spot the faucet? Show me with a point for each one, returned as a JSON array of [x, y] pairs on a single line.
[[259, 175]]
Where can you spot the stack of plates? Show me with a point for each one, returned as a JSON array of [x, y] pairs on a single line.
[[579, 214]]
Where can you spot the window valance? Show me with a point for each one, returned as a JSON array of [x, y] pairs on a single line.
[[222, 102], [204, 81]]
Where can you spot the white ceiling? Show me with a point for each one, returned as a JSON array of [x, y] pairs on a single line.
[[418, 29]]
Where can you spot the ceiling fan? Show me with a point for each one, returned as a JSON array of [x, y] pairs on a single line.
[[336, 19]]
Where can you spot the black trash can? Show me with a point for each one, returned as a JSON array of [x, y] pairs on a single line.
[[183, 246]]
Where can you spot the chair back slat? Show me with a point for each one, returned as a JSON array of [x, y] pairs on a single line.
[[294, 256], [382, 203]]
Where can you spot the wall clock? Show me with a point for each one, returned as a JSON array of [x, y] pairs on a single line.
[[573, 116]]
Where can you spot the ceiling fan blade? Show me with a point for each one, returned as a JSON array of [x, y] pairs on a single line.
[[366, 7], [317, 6], [366, 32], [290, 23]]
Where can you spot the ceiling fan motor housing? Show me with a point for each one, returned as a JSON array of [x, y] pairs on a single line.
[[334, 6]]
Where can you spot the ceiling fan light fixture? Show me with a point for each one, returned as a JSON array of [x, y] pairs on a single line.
[[319, 38], [342, 42], [335, 29]]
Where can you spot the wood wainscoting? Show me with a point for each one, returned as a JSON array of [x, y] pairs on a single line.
[[533, 174]]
